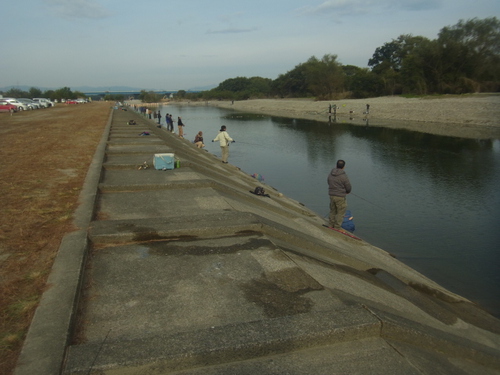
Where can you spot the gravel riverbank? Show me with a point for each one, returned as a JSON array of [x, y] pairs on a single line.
[[471, 116]]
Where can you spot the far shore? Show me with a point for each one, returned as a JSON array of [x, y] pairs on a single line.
[[470, 116]]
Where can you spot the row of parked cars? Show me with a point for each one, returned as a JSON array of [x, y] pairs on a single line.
[[23, 104], [74, 101]]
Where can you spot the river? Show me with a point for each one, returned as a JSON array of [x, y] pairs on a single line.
[[432, 201]]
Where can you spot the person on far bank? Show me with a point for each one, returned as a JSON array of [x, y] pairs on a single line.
[[338, 188], [180, 126], [224, 139]]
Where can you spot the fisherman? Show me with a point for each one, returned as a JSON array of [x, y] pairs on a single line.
[[338, 187], [180, 126], [224, 139]]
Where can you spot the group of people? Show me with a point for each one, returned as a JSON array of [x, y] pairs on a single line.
[[145, 111], [338, 181], [169, 122], [339, 185], [223, 138]]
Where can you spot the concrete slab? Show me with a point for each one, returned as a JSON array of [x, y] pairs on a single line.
[[369, 356], [162, 203], [209, 225], [161, 287], [119, 134], [148, 176], [256, 340], [137, 149], [130, 130], [138, 140]]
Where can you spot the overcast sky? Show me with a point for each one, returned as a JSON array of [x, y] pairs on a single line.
[[183, 44]]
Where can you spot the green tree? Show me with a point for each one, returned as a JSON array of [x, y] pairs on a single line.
[[16, 93], [238, 84], [241, 88], [470, 51], [291, 84], [325, 78], [421, 70], [63, 93], [361, 82], [34, 92], [259, 87], [49, 94], [79, 94], [388, 61], [149, 96]]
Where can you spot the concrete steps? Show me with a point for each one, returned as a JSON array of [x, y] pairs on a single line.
[[184, 271]]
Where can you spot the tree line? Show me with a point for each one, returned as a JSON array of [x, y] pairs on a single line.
[[34, 92], [464, 58]]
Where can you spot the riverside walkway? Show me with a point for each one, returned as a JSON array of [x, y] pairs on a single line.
[[185, 271]]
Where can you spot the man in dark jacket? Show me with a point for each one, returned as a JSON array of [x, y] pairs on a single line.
[[338, 187]]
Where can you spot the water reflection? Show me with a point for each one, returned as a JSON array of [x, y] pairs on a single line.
[[431, 200]]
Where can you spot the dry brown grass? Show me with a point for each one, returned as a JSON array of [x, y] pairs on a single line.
[[45, 155]]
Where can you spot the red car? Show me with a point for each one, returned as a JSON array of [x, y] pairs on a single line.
[[7, 107], [71, 101]]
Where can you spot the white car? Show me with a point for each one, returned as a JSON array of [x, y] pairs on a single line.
[[20, 106], [44, 102], [30, 103]]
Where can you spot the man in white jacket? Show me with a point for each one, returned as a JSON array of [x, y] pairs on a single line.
[[224, 140]]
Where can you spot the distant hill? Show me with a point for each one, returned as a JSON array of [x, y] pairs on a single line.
[[202, 88], [23, 87], [102, 88]]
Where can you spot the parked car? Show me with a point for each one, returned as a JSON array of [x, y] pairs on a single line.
[[44, 102], [5, 106], [30, 103], [41, 103], [71, 101], [20, 106]]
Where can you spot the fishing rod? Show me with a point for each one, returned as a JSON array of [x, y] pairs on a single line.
[[249, 143], [366, 200]]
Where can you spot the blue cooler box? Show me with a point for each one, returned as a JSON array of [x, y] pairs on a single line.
[[164, 161]]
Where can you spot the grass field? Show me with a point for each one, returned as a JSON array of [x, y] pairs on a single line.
[[45, 156]]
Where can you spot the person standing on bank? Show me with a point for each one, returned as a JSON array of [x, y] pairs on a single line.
[[180, 126], [170, 122], [338, 187], [224, 140]]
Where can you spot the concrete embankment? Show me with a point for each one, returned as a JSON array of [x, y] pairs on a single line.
[[185, 271]]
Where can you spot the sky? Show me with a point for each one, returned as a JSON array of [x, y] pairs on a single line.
[[188, 44]]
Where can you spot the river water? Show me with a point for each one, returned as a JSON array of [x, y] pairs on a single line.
[[432, 201]]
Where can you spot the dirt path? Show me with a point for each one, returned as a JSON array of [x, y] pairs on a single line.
[[45, 157]]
